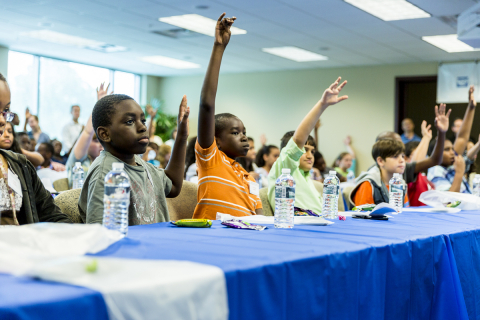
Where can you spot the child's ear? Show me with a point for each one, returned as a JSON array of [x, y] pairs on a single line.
[[265, 157], [103, 134], [380, 161], [219, 145]]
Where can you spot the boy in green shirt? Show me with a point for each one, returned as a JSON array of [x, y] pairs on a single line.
[[297, 149]]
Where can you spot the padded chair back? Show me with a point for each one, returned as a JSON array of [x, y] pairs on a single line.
[[183, 206], [61, 184], [67, 201], [346, 195], [267, 210], [319, 186]]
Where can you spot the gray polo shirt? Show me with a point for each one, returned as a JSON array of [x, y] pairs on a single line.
[[149, 187]]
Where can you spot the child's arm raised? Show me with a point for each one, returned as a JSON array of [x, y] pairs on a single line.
[[206, 116], [441, 123], [464, 132], [176, 166], [330, 97], [421, 152]]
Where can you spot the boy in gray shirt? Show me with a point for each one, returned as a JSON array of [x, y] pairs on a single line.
[[119, 123]]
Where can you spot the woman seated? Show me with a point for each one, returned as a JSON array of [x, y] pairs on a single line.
[[23, 199], [10, 141]]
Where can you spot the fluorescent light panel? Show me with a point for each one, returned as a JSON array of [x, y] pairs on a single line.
[[449, 43], [170, 62], [295, 54], [74, 41], [198, 23], [389, 10]]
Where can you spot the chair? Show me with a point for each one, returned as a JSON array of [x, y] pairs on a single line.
[[319, 186], [183, 206], [346, 195], [267, 210], [67, 201], [61, 184]]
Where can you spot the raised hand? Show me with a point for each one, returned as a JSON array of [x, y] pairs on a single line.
[[426, 131], [102, 92], [222, 30], [471, 98], [330, 96], [441, 119], [459, 164], [263, 139], [347, 141], [27, 113], [182, 121]]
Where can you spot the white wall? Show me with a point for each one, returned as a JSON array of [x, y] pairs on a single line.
[[275, 102], [3, 61]]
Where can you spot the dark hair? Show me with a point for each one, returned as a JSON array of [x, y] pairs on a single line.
[[221, 122], [250, 139], [287, 136], [2, 78], [49, 147], [34, 116], [190, 154], [104, 110], [410, 147], [15, 147], [243, 162], [387, 148], [265, 150], [339, 158], [75, 105]]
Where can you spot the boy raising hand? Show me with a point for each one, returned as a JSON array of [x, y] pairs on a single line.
[[297, 150], [223, 185]]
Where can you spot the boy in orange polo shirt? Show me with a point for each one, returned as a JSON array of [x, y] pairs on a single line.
[[223, 185]]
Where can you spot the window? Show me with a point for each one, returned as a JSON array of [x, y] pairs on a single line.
[[23, 82], [50, 87]]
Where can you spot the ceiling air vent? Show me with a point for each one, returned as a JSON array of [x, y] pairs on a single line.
[[178, 33]]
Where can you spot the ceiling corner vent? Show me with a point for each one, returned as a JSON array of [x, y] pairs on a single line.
[[178, 33]]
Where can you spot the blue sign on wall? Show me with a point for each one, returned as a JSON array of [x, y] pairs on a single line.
[[462, 82]]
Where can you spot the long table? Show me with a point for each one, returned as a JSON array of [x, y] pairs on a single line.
[[414, 266]]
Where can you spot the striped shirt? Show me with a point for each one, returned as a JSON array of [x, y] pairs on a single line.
[[443, 177], [223, 185]]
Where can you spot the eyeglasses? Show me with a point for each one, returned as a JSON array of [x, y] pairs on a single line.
[[9, 116]]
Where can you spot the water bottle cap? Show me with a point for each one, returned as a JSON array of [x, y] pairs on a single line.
[[117, 165], [332, 173], [397, 175], [78, 163], [286, 171], [477, 175]]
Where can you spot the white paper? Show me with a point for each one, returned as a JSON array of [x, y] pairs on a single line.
[[146, 289], [14, 182], [261, 219], [433, 210]]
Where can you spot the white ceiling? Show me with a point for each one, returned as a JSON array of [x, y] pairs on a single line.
[[347, 35]]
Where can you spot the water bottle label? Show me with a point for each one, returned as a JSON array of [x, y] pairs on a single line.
[[396, 188], [331, 189], [117, 192], [285, 192]]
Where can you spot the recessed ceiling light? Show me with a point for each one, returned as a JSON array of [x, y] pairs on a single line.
[[170, 62], [449, 43], [61, 38], [389, 10], [198, 24], [295, 54]]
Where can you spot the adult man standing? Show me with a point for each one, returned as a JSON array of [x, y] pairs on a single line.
[[71, 130], [408, 133]]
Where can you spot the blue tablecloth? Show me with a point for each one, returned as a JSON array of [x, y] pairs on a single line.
[[413, 266]]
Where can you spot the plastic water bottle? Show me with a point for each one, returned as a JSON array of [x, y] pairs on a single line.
[[284, 200], [396, 192], [116, 199], [312, 174], [351, 177], [78, 176], [476, 185], [331, 193]]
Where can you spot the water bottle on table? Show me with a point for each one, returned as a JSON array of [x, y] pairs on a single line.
[[331, 193], [78, 176], [116, 199], [284, 200], [396, 192], [476, 185]]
